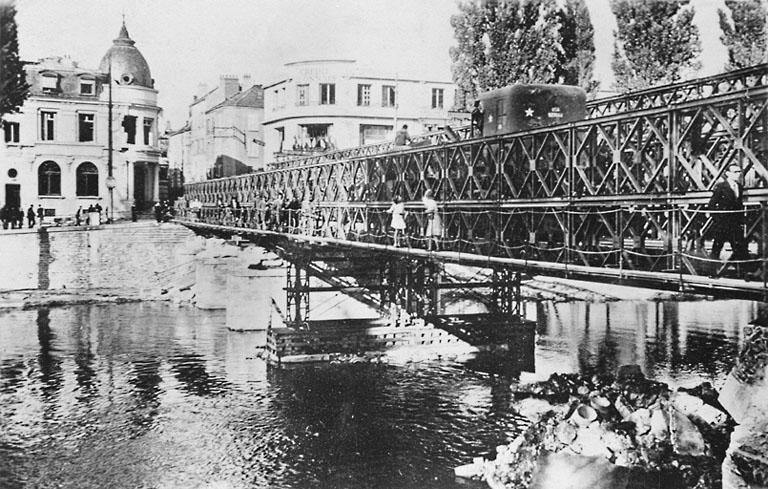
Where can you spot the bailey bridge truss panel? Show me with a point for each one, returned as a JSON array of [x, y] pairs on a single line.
[[626, 190]]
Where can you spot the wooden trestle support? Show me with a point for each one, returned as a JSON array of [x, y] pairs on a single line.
[[409, 285]]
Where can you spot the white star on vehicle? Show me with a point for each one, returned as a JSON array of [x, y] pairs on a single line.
[[529, 112]]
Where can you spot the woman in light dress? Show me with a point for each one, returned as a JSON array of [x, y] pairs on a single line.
[[397, 209], [434, 225]]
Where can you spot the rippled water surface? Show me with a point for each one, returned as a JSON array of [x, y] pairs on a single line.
[[155, 396]]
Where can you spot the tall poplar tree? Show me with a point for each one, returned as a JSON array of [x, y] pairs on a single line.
[[500, 42], [656, 42], [743, 32], [13, 86], [578, 42]]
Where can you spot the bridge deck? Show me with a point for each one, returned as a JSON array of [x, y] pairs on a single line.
[[682, 282]]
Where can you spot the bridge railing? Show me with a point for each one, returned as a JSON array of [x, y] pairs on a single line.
[[575, 193], [668, 238], [686, 91], [678, 150]]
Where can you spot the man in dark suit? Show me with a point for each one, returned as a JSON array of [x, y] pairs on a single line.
[[727, 202], [477, 117]]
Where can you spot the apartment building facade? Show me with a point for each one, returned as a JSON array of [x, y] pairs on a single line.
[[327, 104], [56, 151]]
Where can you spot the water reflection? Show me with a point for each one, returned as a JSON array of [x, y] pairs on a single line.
[[145, 380], [151, 395], [47, 361], [676, 342]]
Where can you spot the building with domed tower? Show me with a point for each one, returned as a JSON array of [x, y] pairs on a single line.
[[84, 137]]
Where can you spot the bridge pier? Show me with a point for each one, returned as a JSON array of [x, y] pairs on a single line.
[[212, 267], [411, 285], [297, 291]]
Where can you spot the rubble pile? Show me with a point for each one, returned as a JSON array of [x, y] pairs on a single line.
[[628, 423]]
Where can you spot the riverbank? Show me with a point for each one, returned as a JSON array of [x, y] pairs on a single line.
[[144, 261]]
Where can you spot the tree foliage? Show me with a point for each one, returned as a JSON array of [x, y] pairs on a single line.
[[743, 32], [521, 41], [13, 85], [578, 41], [656, 42]]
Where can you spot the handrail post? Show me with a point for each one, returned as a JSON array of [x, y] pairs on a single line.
[[620, 219], [681, 285], [764, 232]]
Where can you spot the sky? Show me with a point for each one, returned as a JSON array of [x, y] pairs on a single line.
[[189, 42]]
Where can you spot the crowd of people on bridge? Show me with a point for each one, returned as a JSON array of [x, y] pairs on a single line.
[[321, 144], [293, 211]]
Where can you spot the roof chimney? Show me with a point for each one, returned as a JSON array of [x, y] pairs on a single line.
[[230, 85]]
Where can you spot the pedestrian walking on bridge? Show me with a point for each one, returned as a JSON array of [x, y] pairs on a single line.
[[402, 138], [434, 229], [397, 209], [727, 206]]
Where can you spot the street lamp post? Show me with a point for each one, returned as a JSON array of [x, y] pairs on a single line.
[[110, 182]]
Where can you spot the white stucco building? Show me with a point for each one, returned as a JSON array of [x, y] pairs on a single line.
[[336, 103], [55, 152], [223, 136]]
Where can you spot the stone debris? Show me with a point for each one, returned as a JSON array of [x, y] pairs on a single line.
[[744, 396], [627, 428]]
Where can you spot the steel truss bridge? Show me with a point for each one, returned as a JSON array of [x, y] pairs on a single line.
[[619, 197]]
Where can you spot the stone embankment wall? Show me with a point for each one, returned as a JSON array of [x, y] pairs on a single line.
[[121, 256]]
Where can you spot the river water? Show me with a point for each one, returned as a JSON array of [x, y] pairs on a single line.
[[158, 396]]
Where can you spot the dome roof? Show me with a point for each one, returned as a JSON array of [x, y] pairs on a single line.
[[128, 65]]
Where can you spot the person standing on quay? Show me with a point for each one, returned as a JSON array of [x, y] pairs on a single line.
[[78, 215], [397, 209], [31, 216], [434, 226], [727, 206], [20, 217], [40, 213]]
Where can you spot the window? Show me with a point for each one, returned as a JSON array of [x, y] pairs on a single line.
[[280, 138], [129, 125], [372, 133], [49, 83], [87, 180], [11, 130], [87, 87], [85, 127], [437, 98], [364, 95], [47, 125], [301, 94], [49, 179], [388, 96], [327, 93], [148, 131]]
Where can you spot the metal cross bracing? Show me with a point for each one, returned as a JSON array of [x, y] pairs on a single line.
[[751, 77], [625, 191], [431, 138]]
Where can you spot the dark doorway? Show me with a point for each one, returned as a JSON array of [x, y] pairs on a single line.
[[139, 187], [12, 195]]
